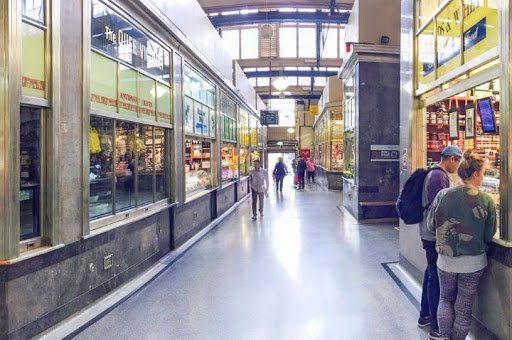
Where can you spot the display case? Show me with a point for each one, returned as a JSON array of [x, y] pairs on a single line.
[[229, 163], [198, 164]]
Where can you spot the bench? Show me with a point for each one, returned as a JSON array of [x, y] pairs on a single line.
[[364, 204]]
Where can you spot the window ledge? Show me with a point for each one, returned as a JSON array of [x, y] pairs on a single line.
[[199, 194], [32, 253], [124, 217]]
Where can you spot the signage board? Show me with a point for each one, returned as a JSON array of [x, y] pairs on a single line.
[[269, 117]]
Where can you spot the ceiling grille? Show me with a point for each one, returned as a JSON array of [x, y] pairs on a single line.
[[266, 50]]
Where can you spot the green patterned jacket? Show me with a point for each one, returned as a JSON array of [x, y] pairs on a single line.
[[464, 220]]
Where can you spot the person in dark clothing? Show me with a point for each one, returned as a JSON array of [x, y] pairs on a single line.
[[301, 170], [279, 172]]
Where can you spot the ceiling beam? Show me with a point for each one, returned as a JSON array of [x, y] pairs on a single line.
[[279, 73], [276, 16], [289, 62], [291, 96], [217, 6]]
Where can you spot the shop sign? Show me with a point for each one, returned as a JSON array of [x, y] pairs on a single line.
[[163, 103], [147, 92], [117, 37], [269, 117], [33, 76], [189, 115], [103, 83], [313, 110], [384, 153], [480, 27], [448, 38], [425, 9], [128, 100], [201, 119]]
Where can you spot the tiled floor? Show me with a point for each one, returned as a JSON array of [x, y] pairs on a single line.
[[303, 271]]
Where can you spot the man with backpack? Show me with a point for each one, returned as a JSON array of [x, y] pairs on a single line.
[[436, 179]]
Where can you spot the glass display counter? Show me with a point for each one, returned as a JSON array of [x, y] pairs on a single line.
[[198, 162]]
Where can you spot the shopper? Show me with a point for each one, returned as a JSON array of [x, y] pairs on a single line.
[[310, 167], [464, 221], [435, 181], [280, 171], [301, 170], [258, 178]]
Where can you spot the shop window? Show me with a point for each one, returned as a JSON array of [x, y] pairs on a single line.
[[34, 10], [470, 120], [128, 171], [244, 161], [198, 165], [229, 162], [31, 163]]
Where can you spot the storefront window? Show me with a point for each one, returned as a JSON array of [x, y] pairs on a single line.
[[229, 156], [470, 120], [198, 165], [30, 172], [33, 69], [244, 161], [128, 172], [34, 10]]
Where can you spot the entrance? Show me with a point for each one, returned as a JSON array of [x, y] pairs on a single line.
[[288, 158]]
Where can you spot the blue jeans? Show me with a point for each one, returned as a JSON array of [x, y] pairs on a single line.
[[430, 292], [279, 182]]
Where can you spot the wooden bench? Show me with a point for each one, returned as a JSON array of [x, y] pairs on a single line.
[[365, 204]]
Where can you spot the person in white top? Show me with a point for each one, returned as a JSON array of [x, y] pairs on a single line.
[[258, 178]]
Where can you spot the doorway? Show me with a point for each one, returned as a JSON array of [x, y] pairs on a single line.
[[288, 158]]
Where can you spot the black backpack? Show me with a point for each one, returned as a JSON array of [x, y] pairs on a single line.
[[409, 204]]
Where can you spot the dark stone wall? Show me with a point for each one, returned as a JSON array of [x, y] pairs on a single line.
[[44, 290], [225, 198], [242, 188], [378, 123], [350, 197], [190, 218]]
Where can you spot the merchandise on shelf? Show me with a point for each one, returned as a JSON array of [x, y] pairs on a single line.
[[197, 165]]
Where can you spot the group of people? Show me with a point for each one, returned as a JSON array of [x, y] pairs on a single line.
[[459, 223], [259, 180]]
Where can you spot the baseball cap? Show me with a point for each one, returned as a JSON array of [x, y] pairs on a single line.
[[452, 150]]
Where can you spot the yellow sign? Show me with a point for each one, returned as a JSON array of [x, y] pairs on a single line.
[[425, 9], [128, 100], [103, 83], [147, 94], [163, 103], [480, 27], [425, 59], [32, 62], [313, 110], [448, 25]]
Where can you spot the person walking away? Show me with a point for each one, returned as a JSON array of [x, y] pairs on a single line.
[[436, 180], [301, 170], [464, 221], [258, 178], [280, 171], [310, 167]]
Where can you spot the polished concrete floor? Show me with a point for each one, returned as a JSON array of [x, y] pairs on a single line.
[[302, 271]]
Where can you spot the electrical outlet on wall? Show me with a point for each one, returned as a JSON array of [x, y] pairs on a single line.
[[108, 261]]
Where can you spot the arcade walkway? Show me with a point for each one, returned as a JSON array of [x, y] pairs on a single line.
[[303, 271]]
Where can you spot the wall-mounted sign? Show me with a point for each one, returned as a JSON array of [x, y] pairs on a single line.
[[268, 117], [384, 153]]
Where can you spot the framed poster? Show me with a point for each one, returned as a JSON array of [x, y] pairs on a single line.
[[470, 121], [453, 123]]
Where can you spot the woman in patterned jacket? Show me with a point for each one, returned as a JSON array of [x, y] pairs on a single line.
[[464, 221]]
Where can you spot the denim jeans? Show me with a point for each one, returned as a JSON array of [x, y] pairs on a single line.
[[279, 182], [457, 295], [430, 292]]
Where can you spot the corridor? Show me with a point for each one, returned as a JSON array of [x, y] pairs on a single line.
[[302, 271]]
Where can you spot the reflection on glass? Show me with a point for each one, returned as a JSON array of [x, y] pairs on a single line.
[[33, 9], [101, 148], [30, 172], [159, 160], [127, 141], [146, 166]]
